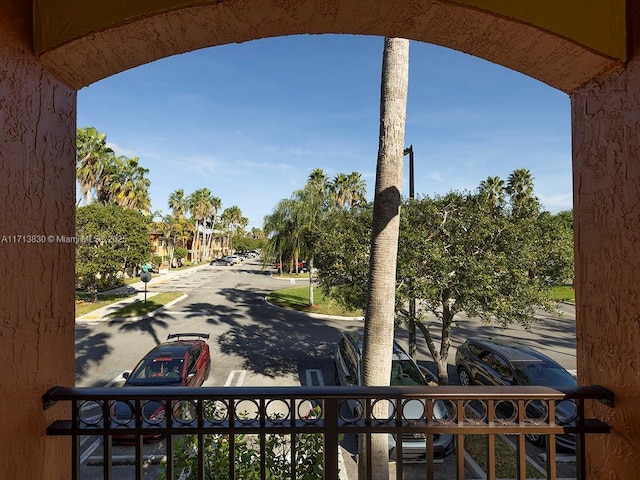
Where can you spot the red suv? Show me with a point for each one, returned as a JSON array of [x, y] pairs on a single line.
[[181, 361]]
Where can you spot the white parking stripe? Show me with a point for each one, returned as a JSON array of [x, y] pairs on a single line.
[[87, 453], [310, 374], [240, 378]]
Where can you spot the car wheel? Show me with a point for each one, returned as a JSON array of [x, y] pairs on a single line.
[[464, 376], [535, 439]]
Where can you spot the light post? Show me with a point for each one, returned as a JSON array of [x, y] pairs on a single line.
[[412, 300]]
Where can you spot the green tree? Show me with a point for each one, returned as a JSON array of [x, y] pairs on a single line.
[[457, 252], [180, 253], [520, 190], [199, 204], [343, 267], [210, 224], [493, 191], [283, 232], [467, 256], [178, 204], [92, 156], [127, 184], [380, 310], [357, 189], [110, 238], [233, 221]]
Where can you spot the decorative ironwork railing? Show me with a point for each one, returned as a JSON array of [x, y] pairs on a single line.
[[418, 422]]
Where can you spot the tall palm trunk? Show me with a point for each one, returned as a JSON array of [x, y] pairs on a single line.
[[379, 317]]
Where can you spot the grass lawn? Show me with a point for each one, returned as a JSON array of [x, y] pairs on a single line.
[[506, 460], [297, 298], [564, 293], [141, 308], [84, 305]]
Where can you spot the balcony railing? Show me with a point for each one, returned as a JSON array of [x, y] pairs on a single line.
[[226, 414]]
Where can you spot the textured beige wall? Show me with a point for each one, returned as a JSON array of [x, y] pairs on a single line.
[[552, 58], [606, 171], [37, 141], [597, 24], [37, 167]]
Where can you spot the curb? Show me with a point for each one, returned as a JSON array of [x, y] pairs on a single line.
[[318, 316], [146, 315]]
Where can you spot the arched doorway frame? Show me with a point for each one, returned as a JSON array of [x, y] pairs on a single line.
[[38, 97]]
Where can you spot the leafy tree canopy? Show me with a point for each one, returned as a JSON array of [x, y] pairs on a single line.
[[492, 254], [109, 238]]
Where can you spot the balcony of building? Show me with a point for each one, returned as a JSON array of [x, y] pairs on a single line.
[[216, 418]]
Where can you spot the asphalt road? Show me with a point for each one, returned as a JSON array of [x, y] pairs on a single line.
[[253, 343]]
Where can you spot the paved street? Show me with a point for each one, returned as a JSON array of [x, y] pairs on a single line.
[[253, 343]]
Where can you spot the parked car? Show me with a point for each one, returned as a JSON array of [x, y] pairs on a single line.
[[224, 261], [497, 362], [235, 258], [302, 266], [183, 360], [404, 371]]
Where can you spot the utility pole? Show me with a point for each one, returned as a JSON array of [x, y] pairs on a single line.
[[412, 300]]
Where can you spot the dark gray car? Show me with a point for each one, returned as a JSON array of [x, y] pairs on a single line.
[[481, 361], [404, 371]]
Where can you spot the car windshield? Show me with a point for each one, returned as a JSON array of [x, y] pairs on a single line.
[[157, 371], [405, 372], [546, 374]]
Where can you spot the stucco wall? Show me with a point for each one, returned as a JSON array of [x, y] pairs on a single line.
[[606, 171], [125, 38], [37, 143], [37, 168]]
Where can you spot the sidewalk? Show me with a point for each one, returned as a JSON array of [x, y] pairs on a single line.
[[136, 290]]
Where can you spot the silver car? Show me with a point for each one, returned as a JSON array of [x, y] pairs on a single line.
[[404, 371]]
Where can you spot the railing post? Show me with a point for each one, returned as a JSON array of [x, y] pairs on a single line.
[[331, 438]]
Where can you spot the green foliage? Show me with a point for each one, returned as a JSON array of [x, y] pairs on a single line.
[[343, 262], [244, 243], [492, 254], [246, 449], [179, 253], [463, 254], [109, 238]]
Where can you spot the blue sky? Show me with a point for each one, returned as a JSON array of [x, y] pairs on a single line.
[[250, 121]]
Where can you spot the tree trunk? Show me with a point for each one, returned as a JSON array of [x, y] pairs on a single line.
[[380, 310], [309, 272]]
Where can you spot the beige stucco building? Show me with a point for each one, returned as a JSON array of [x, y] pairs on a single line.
[[589, 49]]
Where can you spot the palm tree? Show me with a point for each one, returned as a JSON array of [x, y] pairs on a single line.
[[319, 181], [520, 190], [198, 205], [357, 189], [493, 190], [92, 154], [232, 218], [278, 226], [340, 189], [178, 204], [212, 217], [380, 309], [129, 187]]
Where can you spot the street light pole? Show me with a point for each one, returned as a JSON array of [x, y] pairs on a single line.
[[412, 300]]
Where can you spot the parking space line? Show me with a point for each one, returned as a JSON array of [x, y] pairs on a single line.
[[235, 378], [309, 376]]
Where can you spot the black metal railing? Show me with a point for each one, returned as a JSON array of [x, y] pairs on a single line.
[[217, 417]]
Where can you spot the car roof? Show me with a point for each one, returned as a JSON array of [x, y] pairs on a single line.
[[513, 351], [174, 348], [357, 339]]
